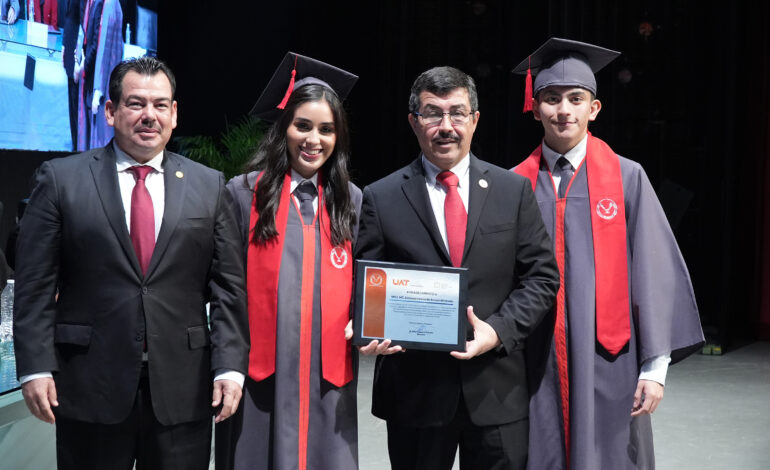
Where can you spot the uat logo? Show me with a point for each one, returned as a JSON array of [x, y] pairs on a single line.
[[375, 279], [339, 257], [606, 209], [400, 282]]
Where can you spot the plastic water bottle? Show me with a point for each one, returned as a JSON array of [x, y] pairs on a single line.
[[6, 312], [7, 358]]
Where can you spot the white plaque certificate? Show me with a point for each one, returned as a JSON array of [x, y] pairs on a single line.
[[415, 306]]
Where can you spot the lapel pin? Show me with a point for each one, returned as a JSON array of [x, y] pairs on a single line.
[[483, 183], [179, 174]]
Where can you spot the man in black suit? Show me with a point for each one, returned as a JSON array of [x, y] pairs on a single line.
[[478, 399], [69, 24], [112, 338], [91, 22]]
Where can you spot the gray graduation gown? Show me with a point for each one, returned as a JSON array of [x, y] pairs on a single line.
[[664, 319], [264, 434]]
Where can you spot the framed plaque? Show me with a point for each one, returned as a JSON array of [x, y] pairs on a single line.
[[415, 306]]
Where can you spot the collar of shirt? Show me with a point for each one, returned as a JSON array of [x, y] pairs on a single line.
[[575, 155], [124, 160], [461, 170], [296, 179]]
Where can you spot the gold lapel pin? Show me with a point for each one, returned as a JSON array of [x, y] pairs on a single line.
[[483, 183], [179, 174]]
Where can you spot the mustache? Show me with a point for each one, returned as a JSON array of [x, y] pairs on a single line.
[[444, 135]]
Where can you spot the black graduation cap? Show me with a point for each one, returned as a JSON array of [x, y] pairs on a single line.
[[563, 62], [295, 71]]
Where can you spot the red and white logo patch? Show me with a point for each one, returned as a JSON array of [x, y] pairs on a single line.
[[375, 279], [606, 209], [339, 257]]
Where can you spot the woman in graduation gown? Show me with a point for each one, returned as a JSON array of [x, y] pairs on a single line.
[[298, 211]]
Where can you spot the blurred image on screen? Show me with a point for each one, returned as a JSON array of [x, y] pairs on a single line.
[[55, 60]]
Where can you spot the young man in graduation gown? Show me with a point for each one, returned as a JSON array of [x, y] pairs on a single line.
[[119, 251], [448, 208], [625, 307]]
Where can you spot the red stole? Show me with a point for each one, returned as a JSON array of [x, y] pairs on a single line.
[[263, 263], [608, 226]]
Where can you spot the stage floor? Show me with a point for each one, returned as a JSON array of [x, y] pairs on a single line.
[[715, 414]]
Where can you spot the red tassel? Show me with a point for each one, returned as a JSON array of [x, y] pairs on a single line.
[[290, 89], [528, 90]]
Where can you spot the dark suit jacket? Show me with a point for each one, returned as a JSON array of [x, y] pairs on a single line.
[[69, 22], [513, 280], [74, 236]]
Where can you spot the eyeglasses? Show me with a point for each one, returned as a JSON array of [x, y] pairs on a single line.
[[432, 118]]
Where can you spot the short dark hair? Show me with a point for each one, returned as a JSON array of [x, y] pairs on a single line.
[[146, 65], [441, 81]]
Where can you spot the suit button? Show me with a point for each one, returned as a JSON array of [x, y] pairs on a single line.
[[139, 337], [144, 290]]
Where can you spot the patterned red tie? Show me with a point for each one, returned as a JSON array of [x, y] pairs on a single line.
[[455, 215], [142, 218]]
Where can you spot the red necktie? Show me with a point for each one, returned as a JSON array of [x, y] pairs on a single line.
[[455, 215], [142, 217]]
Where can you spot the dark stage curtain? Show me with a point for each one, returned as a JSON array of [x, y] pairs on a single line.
[[688, 99]]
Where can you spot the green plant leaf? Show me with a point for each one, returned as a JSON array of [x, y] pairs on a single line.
[[230, 153]]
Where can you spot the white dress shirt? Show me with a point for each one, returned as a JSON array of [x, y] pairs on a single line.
[[656, 367], [437, 191], [153, 181], [575, 156]]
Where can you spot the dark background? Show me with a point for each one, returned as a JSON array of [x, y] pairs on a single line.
[[692, 105]]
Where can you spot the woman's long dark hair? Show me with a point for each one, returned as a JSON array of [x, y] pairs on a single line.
[[273, 160]]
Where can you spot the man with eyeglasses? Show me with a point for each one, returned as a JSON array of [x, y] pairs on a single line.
[[450, 208]]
